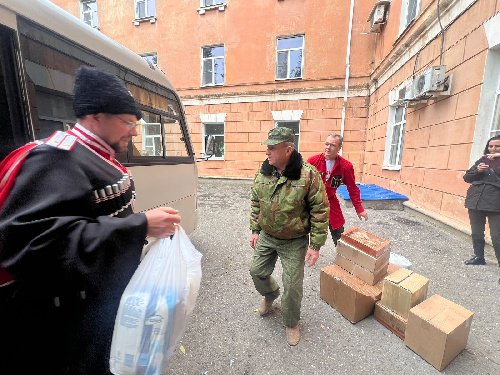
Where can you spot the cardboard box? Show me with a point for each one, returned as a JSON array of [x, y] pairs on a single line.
[[361, 258], [366, 241], [438, 330], [402, 290], [330, 279], [371, 278], [388, 318], [350, 296]]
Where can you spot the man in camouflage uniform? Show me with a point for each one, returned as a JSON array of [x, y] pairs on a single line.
[[289, 201]]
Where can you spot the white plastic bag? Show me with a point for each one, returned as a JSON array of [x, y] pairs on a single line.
[[400, 261], [155, 306]]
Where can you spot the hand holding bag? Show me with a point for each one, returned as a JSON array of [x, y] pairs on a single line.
[[155, 306]]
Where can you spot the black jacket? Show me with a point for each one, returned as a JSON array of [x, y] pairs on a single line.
[[484, 192], [59, 238]]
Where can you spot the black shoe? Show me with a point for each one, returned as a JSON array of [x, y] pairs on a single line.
[[476, 261]]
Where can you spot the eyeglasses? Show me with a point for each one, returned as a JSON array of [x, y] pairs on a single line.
[[130, 124]]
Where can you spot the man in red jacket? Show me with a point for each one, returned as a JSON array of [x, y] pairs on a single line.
[[335, 171]]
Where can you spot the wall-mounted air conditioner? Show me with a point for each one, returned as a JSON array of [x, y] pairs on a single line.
[[431, 82], [401, 94], [378, 16]]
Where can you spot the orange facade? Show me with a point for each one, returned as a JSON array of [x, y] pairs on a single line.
[[439, 137]]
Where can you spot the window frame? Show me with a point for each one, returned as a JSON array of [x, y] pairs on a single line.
[[403, 22], [203, 7], [288, 57], [160, 136], [223, 135], [83, 12], [391, 124], [281, 123], [495, 115], [212, 58], [203, 3], [165, 119], [148, 15]]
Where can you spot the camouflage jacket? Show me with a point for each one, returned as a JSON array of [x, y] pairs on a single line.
[[291, 205]]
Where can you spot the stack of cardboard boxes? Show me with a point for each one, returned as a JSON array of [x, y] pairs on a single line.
[[363, 281], [400, 292], [354, 283]]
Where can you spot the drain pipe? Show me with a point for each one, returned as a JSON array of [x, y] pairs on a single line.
[[347, 60]]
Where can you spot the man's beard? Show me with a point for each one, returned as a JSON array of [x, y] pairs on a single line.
[[117, 148]]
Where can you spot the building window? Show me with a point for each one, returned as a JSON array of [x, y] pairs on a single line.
[[209, 3], [151, 134], [144, 8], [89, 12], [158, 136], [217, 130], [409, 11], [488, 112], [151, 58], [495, 123], [289, 57], [212, 63], [295, 126], [395, 138]]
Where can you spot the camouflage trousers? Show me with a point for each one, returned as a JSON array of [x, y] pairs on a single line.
[[292, 254]]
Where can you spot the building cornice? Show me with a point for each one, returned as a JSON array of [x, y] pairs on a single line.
[[274, 95]]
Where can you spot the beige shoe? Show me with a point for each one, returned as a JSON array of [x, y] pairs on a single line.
[[265, 307], [293, 335]]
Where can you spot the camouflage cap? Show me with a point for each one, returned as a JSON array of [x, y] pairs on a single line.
[[278, 135]]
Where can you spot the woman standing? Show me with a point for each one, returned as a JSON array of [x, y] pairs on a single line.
[[483, 200]]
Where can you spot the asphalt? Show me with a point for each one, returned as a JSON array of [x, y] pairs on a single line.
[[226, 335]]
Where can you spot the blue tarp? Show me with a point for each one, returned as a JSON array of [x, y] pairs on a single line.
[[371, 193]]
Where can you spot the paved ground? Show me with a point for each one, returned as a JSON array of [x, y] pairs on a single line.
[[226, 336]]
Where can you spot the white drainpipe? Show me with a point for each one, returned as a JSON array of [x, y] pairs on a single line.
[[347, 59]]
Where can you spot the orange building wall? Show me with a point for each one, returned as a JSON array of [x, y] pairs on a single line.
[[438, 135], [248, 31]]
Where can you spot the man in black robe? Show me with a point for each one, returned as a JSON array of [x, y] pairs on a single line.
[[69, 238]]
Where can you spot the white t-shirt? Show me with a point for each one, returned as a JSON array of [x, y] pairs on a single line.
[[329, 168]]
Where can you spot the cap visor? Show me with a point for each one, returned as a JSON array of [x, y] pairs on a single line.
[[271, 142]]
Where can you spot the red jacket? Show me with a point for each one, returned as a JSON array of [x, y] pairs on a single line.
[[342, 173]]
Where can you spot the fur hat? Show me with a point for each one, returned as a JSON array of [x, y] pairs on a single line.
[[98, 91]]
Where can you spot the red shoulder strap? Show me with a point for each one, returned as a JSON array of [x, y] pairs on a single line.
[[9, 169]]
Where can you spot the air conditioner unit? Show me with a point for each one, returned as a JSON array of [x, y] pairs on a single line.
[[406, 93], [430, 82], [403, 94], [378, 16]]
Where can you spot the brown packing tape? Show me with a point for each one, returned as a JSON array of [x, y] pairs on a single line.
[[399, 275], [394, 322], [414, 282], [388, 326]]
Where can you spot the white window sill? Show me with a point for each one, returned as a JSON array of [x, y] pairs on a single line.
[[288, 79], [392, 167], [214, 85], [137, 21], [221, 7]]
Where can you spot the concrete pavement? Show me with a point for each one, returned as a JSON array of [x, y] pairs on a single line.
[[227, 336]]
